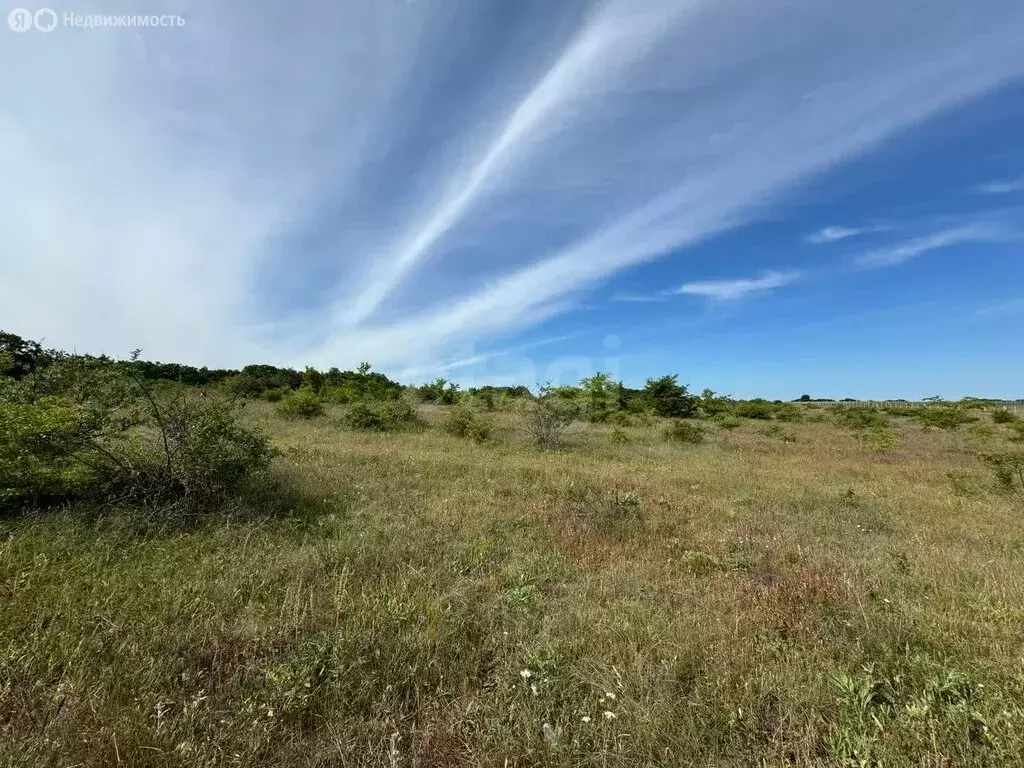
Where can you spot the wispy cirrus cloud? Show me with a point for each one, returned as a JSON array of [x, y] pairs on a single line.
[[190, 191], [832, 234], [903, 252], [730, 290], [1000, 186]]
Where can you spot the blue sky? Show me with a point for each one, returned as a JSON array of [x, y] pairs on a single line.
[[766, 198]]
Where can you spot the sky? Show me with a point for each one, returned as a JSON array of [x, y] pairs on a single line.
[[768, 199]]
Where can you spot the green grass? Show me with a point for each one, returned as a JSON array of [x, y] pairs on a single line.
[[431, 601]]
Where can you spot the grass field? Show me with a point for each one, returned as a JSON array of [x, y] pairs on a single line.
[[424, 600]]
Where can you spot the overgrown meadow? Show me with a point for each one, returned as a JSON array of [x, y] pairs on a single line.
[[271, 567]]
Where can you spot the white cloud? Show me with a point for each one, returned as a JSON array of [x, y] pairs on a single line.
[[1000, 186], [832, 234], [911, 249], [729, 290], [308, 183]]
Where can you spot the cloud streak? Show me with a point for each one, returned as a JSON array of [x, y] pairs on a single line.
[[400, 183], [1000, 186], [731, 290], [911, 249], [833, 234]]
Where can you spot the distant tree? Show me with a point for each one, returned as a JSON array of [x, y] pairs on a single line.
[[312, 379], [599, 395], [667, 397], [364, 368], [804, 398], [18, 357], [713, 404]]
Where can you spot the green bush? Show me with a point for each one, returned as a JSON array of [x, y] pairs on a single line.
[[617, 436], [191, 452], [42, 449], [547, 418], [301, 404], [180, 449], [381, 416], [788, 412], [461, 421], [685, 432], [753, 409], [276, 395], [728, 422], [944, 416], [880, 439], [1003, 416], [1009, 471], [778, 432], [1018, 431], [860, 417]]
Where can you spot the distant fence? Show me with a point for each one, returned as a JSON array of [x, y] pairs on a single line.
[[1014, 406]]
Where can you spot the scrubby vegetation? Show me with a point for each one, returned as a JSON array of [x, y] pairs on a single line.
[[193, 575]]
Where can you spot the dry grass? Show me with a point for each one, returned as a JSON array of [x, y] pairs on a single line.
[[436, 602]]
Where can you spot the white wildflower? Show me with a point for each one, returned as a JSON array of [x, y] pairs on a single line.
[[608, 715], [525, 674], [585, 719]]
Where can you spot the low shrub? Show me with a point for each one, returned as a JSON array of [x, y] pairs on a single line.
[[753, 409], [944, 417], [1003, 416], [182, 450], [778, 432], [546, 419], [681, 431], [880, 439], [1017, 434], [1009, 471], [788, 412], [461, 421], [860, 417], [728, 422], [617, 436], [302, 404], [382, 416], [276, 394]]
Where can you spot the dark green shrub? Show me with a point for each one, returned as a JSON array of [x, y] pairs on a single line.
[[276, 395], [726, 421], [712, 404], [182, 449], [667, 397], [685, 432], [1003, 416], [860, 417], [944, 416], [754, 409], [302, 404], [191, 452], [460, 421], [788, 412], [381, 415], [43, 449]]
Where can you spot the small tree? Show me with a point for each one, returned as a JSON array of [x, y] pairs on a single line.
[[670, 398], [548, 417]]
